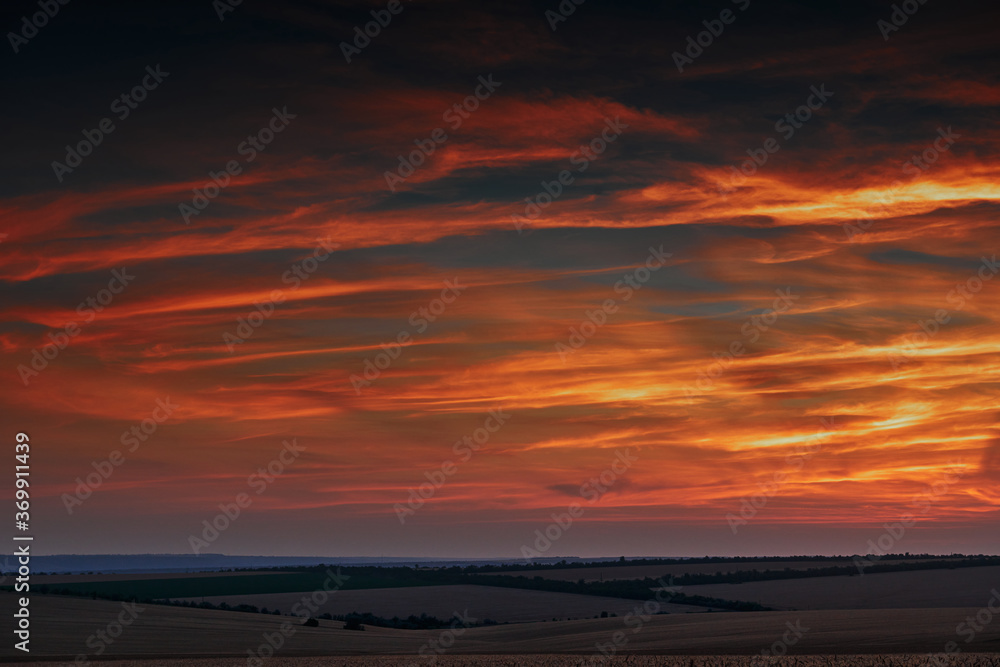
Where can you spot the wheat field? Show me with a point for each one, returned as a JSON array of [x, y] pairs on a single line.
[[960, 660]]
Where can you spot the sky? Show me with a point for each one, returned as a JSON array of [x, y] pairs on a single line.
[[511, 279]]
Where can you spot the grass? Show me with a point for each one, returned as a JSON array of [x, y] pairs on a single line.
[[175, 587]]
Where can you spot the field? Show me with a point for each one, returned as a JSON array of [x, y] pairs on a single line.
[[818, 616], [609, 573], [52, 579], [214, 583], [631, 660], [498, 604], [61, 627], [887, 590]]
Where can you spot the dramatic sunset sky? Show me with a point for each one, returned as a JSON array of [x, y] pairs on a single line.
[[875, 214]]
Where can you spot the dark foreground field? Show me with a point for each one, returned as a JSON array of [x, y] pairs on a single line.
[[967, 660], [62, 628], [942, 611]]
